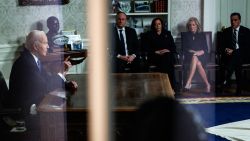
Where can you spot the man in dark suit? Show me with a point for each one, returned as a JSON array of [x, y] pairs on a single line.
[[29, 81], [124, 46], [236, 41]]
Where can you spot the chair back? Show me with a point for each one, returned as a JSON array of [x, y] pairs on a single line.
[[3, 90], [211, 49]]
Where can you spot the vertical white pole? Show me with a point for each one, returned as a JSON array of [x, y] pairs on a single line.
[[210, 15], [98, 114]]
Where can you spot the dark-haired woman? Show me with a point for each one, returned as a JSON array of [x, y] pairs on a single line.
[[161, 48]]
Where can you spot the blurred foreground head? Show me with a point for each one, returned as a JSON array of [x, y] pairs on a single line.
[[165, 119]]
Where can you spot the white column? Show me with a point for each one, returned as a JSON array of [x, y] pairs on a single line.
[[98, 98]]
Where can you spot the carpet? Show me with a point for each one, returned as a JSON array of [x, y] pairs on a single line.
[[214, 100], [214, 111]]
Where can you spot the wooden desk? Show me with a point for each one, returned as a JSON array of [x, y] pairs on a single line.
[[129, 91]]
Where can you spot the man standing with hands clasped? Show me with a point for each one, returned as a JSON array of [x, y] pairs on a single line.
[[236, 44], [124, 46]]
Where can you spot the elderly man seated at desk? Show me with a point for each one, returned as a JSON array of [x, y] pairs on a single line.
[[29, 81]]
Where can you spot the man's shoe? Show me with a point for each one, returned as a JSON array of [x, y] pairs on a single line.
[[226, 84]]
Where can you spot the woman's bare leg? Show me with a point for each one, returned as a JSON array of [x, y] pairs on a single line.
[[192, 70], [203, 75]]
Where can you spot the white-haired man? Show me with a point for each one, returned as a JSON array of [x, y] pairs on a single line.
[[29, 81]]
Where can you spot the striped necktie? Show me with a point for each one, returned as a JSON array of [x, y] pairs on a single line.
[[234, 39], [122, 41], [39, 65]]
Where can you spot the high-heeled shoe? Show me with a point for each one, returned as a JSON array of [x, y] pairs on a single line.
[[188, 86], [208, 89]]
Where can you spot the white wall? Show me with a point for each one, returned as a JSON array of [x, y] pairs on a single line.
[[181, 11], [211, 17], [229, 6]]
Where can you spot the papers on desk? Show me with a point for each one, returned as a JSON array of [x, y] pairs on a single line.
[[60, 94], [55, 107], [18, 129], [234, 131]]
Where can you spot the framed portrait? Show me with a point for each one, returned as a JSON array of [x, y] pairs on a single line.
[[42, 2], [141, 6]]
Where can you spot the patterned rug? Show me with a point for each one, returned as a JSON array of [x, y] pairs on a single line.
[[213, 100]]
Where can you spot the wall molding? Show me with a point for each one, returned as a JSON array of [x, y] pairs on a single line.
[[9, 52]]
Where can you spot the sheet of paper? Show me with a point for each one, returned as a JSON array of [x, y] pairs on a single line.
[[59, 94], [18, 129], [234, 131]]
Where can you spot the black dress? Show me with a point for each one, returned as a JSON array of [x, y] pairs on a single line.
[[196, 42], [165, 63]]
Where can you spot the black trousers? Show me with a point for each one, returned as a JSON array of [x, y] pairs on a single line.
[[232, 65], [121, 66], [165, 64]]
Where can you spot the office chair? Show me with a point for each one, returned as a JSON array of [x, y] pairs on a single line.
[[7, 113]]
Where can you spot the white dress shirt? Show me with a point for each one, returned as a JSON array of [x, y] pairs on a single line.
[[125, 40], [237, 34]]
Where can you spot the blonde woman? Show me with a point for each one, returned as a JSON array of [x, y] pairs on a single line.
[[195, 52]]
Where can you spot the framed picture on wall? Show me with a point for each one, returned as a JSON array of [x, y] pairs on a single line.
[[125, 6], [141, 6], [42, 2]]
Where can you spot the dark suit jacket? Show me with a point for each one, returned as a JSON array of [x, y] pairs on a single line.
[[132, 47], [152, 42], [132, 42], [198, 43], [243, 41], [27, 84]]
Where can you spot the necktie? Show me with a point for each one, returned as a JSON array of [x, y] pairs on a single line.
[[122, 40], [39, 64], [234, 40]]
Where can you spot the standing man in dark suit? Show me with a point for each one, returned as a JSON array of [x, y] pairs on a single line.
[[29, 81], [124, 46], [236, 41]]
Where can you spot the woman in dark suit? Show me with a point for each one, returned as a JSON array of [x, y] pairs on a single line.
[[195, 51], [160, 47]]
